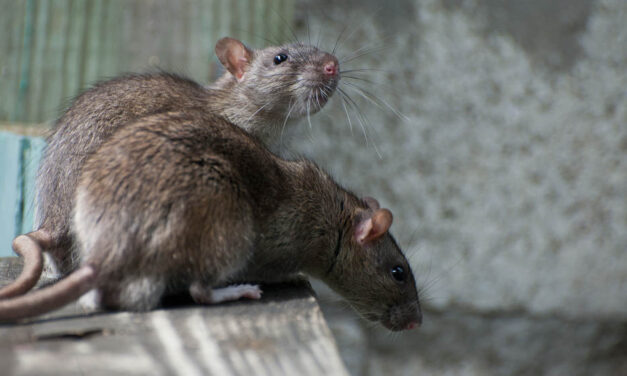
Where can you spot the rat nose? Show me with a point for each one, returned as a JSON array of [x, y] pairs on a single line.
[[416, 323], [331, 67], [412, 325]]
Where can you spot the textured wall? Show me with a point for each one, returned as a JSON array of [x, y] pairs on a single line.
[[507, 178]]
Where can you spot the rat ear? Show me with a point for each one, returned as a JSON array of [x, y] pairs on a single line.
[[373, 227], [371, 202], [234, 56]]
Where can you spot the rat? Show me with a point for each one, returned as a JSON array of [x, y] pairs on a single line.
[[259, 91], [188, 202]]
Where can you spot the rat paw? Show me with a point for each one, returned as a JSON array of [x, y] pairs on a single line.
[[225, 294], [90, 301]]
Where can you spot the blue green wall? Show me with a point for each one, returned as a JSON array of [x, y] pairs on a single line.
[[19, 158]]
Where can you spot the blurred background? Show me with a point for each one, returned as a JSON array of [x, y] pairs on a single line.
[[496, 133]]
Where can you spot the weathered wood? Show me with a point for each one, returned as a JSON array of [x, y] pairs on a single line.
[[282, 334]]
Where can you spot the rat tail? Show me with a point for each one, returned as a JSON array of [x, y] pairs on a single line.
[[29, 246], [49, 298]]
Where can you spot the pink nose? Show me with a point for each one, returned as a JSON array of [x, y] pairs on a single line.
[[411, 326], [330, 68]]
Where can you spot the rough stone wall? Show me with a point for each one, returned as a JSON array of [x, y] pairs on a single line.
[[506, 173]]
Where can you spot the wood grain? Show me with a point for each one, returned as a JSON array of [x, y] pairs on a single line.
[[282, 334]]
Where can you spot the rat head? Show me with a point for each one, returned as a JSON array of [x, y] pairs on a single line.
[[283, 82], [372, 273]]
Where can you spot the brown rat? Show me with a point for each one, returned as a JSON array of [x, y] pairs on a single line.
[[260, 91], [185, 201]]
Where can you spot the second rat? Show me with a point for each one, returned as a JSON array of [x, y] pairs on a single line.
[[185, 201]]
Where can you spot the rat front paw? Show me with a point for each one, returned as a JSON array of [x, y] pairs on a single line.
[[90, 301], [225, 294]]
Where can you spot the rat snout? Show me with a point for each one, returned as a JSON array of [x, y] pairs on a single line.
[[330, 68], [403, 317], [415, 323], [330, 65]]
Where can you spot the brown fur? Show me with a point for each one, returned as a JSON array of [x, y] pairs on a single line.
[[186, 197], [260, 102]]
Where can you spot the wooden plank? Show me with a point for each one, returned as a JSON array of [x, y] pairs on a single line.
[[284, 333], [32, 153], [18, 163], [25, 129], [10, 190]]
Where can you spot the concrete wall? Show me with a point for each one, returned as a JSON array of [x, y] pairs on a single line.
[[507, 176]]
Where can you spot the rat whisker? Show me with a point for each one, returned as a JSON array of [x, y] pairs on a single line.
[[383, 103], [353, 76], [364, 51], [318, 99], [412, 238], [376, 100], [309, 114], [314, 98], [285, 22], [426, 283], [339, 37], [319, 35], [281, 75], [273, 41], [348, 118], [363, 70], [361, 79], [287, 116], [360, 119], [308, 30], [438, 277], [255, 113]]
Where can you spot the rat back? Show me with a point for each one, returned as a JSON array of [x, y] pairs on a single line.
[[171, 200], [93, 117]]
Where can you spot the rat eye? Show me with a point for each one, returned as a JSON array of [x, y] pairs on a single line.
[[278, 59], [398, 273]]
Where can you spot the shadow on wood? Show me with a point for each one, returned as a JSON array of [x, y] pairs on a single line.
[[283, 333]]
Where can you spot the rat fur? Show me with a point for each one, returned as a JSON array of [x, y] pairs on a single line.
[[259, 91], [186, 201]]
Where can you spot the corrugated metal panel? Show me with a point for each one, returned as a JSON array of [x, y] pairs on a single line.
[[50, 49]]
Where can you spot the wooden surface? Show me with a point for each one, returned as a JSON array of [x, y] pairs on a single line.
[[282, 334]]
